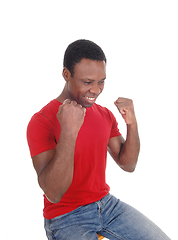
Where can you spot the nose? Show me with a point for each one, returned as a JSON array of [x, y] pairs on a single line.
[[96, 90]]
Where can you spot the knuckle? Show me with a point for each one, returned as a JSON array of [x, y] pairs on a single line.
[[74, 102], [66, 101]]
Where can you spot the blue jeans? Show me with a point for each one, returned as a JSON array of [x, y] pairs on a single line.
[[109, 217]]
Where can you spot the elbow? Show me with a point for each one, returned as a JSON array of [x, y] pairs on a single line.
[[129, 169], [53, 194], [53, 199], [128, 166]]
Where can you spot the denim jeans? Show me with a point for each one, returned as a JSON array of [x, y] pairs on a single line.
[[109, 217]]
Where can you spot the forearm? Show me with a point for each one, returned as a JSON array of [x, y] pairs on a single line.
[[128, 155], [56, 178]]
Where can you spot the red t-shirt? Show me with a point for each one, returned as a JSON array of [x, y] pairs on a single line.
[[88, 184]]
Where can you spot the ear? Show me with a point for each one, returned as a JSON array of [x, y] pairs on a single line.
[[66, 74]]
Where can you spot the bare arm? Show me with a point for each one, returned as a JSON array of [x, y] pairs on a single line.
[[125, 153], [55, 167]]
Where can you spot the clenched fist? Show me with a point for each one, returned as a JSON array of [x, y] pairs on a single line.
[[71, 116], [126, 108]]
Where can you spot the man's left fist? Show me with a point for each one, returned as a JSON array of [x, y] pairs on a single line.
[[126, 109]]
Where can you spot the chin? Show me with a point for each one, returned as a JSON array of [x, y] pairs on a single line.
[[88, 106]]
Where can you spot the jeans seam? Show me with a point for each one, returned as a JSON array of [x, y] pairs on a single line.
[[110, 232], [52, 234], [99, 213]]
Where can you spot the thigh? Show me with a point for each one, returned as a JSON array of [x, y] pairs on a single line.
[[121, 221], [80, 224], [73, 233]]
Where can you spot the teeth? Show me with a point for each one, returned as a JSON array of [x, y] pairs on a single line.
[[91, 98]]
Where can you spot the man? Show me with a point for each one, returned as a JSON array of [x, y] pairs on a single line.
[[68, 141]]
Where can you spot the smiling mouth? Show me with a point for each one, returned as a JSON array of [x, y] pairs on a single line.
[[91, 99]]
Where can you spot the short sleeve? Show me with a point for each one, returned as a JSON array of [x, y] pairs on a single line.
[[114, 130], [40, 135]]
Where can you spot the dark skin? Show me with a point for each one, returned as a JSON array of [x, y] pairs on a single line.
[[55, 167]]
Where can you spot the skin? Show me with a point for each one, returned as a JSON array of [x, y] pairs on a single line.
[[55, 167]]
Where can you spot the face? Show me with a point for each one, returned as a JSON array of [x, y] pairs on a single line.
[[87, 82]]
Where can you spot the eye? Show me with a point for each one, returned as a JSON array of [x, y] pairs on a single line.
[[102, 82], [87, 83]]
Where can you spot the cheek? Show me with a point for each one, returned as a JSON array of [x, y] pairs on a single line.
[[82, 90], [72, 88], [76, 91]]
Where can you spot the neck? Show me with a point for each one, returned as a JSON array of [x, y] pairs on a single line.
[[64, 95]]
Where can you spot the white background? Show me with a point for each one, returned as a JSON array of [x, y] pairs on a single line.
[[140, 40]]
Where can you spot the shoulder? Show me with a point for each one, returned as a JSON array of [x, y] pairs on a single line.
[[50, 110], [44, 120], [41, 129], [47, 114], [104, 111]]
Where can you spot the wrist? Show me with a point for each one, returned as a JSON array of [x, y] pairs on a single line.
[[69, 133], [132, 125]]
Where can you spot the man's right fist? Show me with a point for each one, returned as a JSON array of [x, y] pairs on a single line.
[[71, 116]]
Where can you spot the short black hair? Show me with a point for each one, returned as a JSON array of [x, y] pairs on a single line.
[[80, 49]]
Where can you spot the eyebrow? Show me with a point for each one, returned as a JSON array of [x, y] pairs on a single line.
[[92, 79]]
